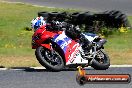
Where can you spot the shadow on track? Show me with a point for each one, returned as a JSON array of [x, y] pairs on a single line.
[[29, 69]]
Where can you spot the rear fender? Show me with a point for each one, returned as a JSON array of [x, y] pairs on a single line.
[[90, 36]]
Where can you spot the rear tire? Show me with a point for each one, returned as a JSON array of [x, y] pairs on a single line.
[[96, 64], [45, 59]]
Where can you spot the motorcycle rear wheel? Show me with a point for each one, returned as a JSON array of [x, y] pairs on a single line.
[[52, 62], [101, 63]]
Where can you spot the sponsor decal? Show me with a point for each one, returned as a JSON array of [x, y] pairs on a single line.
[[83, 78], [73, 55]]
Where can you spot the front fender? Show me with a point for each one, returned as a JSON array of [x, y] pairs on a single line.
[[56, 47], [46, 46]]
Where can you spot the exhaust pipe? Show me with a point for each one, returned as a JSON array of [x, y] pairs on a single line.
[[101, 43]]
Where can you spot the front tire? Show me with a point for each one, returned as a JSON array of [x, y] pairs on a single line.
[[101, 63], [52, 62]]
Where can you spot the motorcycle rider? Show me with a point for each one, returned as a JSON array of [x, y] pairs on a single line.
[[71, 30], [50, 25], [38, 22], [75, 33]]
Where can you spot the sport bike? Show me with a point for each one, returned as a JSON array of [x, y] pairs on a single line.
[[55, 50]]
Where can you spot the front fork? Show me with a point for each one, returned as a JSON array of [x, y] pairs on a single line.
[[51, 48]]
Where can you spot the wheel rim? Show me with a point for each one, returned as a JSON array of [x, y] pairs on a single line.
[[53, 60], [100, 57]]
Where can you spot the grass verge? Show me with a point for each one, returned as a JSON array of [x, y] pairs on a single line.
[[119, 48]]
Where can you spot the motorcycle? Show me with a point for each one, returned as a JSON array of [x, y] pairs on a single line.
[[55, 50]]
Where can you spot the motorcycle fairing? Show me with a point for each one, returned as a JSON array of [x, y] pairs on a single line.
[[62, 40], [40, 36], [70, 48]]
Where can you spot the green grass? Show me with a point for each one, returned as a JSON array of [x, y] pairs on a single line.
[[13, 19], [15, 42], [119, 48], [130, 19]]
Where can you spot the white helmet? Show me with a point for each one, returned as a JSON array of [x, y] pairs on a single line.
[[37, 22]]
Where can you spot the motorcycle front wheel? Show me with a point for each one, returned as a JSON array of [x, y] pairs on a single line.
[[51, 60], [101, 61]]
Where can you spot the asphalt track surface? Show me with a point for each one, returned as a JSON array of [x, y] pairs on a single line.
[[87, 5], [41, 78]]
